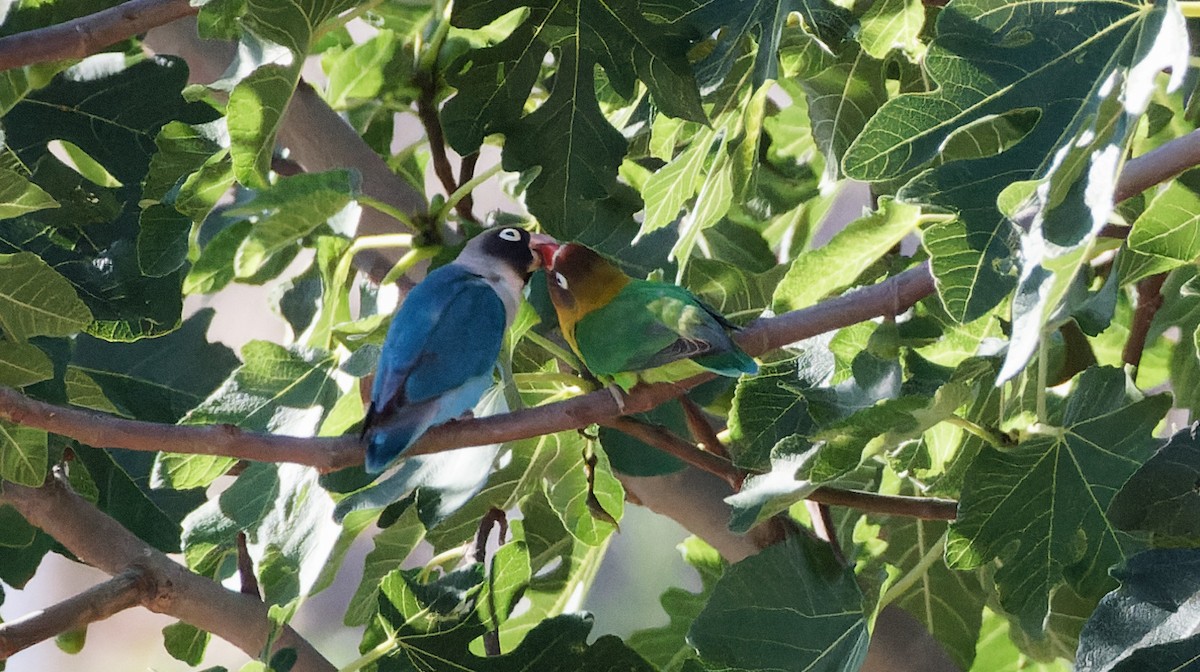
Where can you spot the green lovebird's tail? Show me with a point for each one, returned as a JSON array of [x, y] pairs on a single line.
[[729, 363]]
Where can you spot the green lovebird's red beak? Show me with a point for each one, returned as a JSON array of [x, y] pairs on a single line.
[[544, 248]]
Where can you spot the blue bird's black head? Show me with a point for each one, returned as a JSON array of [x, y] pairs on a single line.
[[506, 245]]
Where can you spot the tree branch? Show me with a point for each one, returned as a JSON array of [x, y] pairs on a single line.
[[1149, 300], [89, 34], [925, 508], [97, 539], [109, 431], [663, 439], [329, 454], [1158, 165], [123, 591]]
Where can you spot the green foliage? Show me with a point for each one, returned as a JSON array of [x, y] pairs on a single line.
[[711, 144]]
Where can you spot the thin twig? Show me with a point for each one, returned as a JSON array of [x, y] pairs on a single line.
[[245, 567], [666, 441], [925, 508], [427, 113], [466, 172], [89, 34], [123, 591], [822, 523], [1149, 300], [493, 518], [701, 430]]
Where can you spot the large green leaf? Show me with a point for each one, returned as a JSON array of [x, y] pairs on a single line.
[[19, 196], [286, 211], [771, 406], [275, 390], [110, 110], [258, 101], [765, 603], [37, 301], [159, 379], [1041, 507], [123, 493], [834, 266], [1165, 236], [843, 85], [392, 546], [948, 603], [23, 454], [110, 113], [22, 364], [576, 181], [1150, 621], [990, 58]]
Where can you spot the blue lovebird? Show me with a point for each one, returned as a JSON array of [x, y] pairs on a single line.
[[442, 345]]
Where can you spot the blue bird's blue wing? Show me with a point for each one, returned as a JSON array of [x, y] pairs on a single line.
[[436, 362]]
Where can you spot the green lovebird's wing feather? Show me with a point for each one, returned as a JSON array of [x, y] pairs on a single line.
[[650, 324]]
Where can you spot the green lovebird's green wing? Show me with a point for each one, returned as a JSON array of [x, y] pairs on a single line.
[[649, 324]]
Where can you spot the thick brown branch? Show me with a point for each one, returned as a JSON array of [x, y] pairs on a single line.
[[328, 454], [89, 34], [109, 431], [123, 591], [1158, 165], [100, 541]]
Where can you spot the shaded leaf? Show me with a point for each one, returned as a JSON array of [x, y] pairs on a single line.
[[1041, 506], [1154, 608], [1162, 497], [762, 603]]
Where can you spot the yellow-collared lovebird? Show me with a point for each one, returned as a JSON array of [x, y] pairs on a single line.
[[626, 330], [441, 347]]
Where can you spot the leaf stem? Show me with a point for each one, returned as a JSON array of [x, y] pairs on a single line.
[[465, 190], [994, 438], [919, 570], [1043, 377], [388, 210], [553, 348], [551, 377], [410, 259], [382, 649], [1190, 10]]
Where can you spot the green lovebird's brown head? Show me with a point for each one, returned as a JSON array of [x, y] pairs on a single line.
[[579, 279]]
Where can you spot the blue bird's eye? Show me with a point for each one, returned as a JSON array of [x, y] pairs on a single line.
[[511, 235]]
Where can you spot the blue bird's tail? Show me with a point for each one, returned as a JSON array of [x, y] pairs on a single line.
[[387, 443]]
